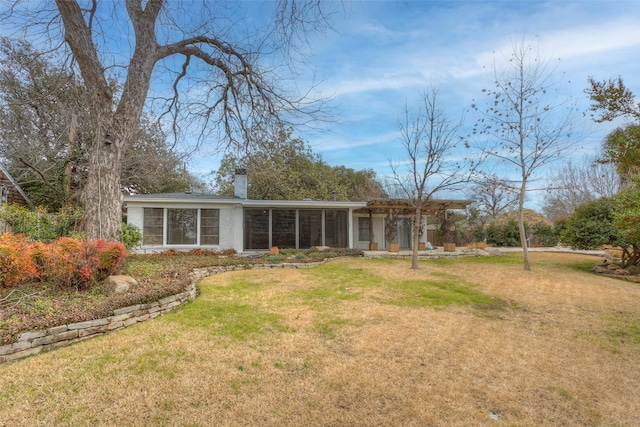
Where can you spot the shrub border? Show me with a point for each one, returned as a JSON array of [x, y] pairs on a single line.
[[33, 342]]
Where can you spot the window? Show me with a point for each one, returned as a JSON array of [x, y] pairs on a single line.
[[152, 226], [182, 226], [363, 229], [209, 226]]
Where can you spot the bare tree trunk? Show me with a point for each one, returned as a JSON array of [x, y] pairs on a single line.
[[523, 235], [416, 237]]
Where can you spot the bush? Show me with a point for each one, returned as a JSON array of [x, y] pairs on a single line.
[[65, 262], [41, 225], [545, 235], [131, 236], [16, 264], [506, 234], [591, 226]]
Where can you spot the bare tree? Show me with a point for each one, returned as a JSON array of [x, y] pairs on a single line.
[[430, 141], [494, 196], [210, 65], [526, 120], [578, 183]]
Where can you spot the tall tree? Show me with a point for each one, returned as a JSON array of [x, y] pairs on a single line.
[[45, 134], [201, 48], [281, 167], [429, 140], [612, 99], [577, 183], [526, 120]]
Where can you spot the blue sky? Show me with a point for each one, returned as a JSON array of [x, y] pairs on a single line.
[[385, 53]]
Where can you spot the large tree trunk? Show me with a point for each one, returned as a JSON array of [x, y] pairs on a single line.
[[102, 197]]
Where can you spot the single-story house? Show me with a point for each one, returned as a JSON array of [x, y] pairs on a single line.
[[184, 221]]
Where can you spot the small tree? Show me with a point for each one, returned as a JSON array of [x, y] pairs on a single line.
[[429, 139], [526, 120]]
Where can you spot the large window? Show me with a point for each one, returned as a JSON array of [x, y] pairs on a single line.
[[182, 226], [152, 226], [209, 226]]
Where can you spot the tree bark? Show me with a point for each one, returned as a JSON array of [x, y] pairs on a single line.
[[416, 237]]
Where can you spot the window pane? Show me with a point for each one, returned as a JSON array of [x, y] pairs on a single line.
[[310, 228], [256, 229], [363, 229], [182, 226], [283, 228], [152, 223], [336, 229], [209, 226]]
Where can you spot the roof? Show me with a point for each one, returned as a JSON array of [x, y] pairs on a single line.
[[430, 206], [184, 196], [15, 185], [380, 206]]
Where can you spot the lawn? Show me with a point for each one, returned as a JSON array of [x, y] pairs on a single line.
[[358, 342]]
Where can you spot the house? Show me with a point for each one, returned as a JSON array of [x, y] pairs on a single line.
[[10, 192], [186, 221]]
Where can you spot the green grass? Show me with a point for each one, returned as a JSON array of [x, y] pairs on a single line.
[[449, 290], [229, 311]]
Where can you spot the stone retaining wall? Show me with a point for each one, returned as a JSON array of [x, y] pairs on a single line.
[[33, 342]]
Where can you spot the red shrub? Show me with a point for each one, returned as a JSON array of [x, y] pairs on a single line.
[[66, 262], [16, 264], [111, 255]]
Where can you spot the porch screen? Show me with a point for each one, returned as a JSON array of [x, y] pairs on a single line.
[[336, 228], [256, 229], [283, 228], [310, 228]]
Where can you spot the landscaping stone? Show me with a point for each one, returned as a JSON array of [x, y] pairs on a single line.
[[621, 272], [120, 284]]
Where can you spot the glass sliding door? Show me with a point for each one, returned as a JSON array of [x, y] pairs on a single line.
[[256, 229], [310, 228], [404, 233], [283, 228]]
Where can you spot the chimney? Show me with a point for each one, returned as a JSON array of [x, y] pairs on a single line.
[[241, 183]]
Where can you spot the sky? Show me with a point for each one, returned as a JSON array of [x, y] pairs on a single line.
[[382, 55]]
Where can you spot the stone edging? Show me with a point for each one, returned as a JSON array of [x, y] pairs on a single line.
[[33, 342]]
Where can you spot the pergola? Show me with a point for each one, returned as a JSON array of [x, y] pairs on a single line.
[[408, 207]]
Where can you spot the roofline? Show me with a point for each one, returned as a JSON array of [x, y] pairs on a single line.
[[17, 187]]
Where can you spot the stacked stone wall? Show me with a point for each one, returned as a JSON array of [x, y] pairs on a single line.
[[33, 342]]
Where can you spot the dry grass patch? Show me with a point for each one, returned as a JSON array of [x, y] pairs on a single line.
[[357, 342]]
